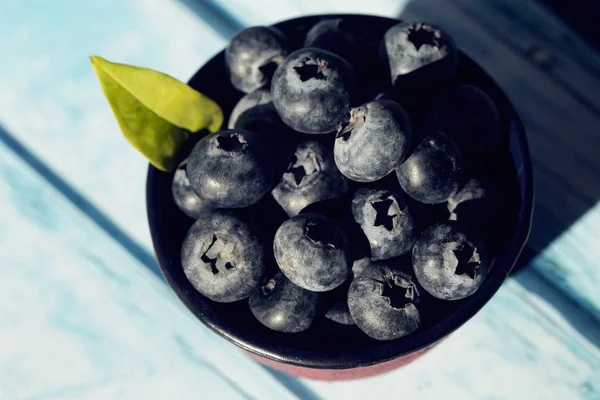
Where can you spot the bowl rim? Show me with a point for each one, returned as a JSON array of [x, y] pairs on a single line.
[[390, 350]]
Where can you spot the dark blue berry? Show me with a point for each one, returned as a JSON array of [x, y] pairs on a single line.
[[418, 55], [477, 204], [340, 211], [184, 195], [449, 262], [359, 265], [252, 56], [340, 313], [470, 117], [311, 176], [282, 306], [232, 168], [312, 251], [373, 142], [223, 256], [386, 220], [384, 301], [253, 106], [433, 172], [312, 90], [351, 41]]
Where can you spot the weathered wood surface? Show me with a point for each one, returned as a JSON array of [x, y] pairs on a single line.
[[80, 318], [268, 12], [51, 99], [536, 33], [111, 330]]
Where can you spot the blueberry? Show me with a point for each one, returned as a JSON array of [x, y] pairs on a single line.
[[255, 105], [419, 55], [184, 196], [470, 117], [373, 142], [449, 262], [312, 252], [253, 54], [384, 301], [255, 112], [232, 168], [433, 171], [477, 204], [223, 256], [282, 306], [351, 41], [270, 213], [312, 90], [340, 211], [340, 313], [359, 265], [311, 176], [386, 220]]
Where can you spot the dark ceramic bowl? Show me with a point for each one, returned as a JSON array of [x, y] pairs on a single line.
[[321, 352]]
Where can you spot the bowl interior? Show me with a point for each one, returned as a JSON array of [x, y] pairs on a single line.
[[323, 346]]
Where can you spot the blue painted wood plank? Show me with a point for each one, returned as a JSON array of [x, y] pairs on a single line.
[[546, 41], [571, 262], [263, 12], [81, 318]]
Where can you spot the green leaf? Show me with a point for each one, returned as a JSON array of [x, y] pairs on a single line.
[[155, 111]]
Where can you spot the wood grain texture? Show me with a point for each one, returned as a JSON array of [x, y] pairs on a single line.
[[552, 46], [110, 330], [570, 262], [82, 319], [581, 16], [51, 99], [563, 132], [263, 12]]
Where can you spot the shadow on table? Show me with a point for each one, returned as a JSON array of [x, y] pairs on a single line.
[[80, 202], [582, 16], [215, 16]]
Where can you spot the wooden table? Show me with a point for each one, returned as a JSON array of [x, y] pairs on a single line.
[[83, 312]]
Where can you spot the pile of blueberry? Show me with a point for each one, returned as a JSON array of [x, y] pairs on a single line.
[[347, 184]]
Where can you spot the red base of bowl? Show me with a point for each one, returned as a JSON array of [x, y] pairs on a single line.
[[341, 374]]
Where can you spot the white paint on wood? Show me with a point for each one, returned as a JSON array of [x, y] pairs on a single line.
[[51, 99]]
